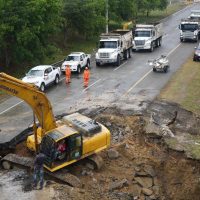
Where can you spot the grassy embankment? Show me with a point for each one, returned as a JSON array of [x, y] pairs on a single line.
[[184, 86]]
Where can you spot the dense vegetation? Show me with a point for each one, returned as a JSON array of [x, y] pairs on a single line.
[[31, 30]]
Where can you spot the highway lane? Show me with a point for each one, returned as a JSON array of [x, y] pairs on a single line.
[[108, 84]]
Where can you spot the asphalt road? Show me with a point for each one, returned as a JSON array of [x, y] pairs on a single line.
[[132, 82]]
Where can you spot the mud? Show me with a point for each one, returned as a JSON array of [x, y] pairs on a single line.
[[146, 166]]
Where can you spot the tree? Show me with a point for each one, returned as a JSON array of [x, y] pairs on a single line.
[[87, 17], [25, 29]]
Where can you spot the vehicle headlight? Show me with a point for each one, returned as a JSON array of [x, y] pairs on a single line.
[[148, 42], [113, 55]]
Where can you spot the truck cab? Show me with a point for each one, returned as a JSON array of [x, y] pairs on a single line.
[[189, 30], [113, 47], [147, 36]]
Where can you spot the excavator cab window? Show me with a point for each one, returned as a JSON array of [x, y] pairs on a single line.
[[75, 146]]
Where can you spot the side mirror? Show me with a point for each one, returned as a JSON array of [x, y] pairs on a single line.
[[81, 59], [45, 76]]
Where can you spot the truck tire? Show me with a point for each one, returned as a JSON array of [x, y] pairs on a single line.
[[152, 47], [129, 53], [154, 69], [79, 69], [88, 63], [165, 69], [125, 55], [56, 81], [160, 42], [118, 61], [42, 87], [181, 39], [98, 64]]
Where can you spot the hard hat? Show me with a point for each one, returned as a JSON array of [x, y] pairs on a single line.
[[86, 67]]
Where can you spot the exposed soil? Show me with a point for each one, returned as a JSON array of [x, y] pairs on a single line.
[[137, 165]]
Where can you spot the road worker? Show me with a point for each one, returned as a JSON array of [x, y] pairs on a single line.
[[86, 76], [38, 170], [68, 74]]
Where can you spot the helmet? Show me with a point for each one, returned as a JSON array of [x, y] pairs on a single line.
[[86, 67]]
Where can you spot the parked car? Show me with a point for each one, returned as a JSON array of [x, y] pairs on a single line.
[[42, 76], [77, 61], [197, 53]]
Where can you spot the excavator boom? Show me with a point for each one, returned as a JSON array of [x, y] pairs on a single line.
[[32, 96]]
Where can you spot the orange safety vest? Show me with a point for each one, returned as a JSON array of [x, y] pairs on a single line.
[[86, 74], [68, 71]]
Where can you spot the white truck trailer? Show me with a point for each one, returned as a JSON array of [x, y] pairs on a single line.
[[147, 36], [189, 29], [114, 46]]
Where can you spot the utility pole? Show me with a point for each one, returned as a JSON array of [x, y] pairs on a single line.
[[106, 16]]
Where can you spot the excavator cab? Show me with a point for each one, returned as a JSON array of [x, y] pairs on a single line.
[[61, 148]]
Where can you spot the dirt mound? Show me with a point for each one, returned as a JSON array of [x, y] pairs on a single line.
[[139, 167]]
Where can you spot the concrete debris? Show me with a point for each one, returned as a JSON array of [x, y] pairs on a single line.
[[113, 154], [118, 184], [147, 191]]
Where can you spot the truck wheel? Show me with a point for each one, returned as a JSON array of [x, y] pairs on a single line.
[[165, 69], [88, 64], [125, 55], [78, 69], [160, 42], [129, 53], [181, 39], [98, 64], [154, 69], [56, 81], [118, 61], [42, 87], [152, 47]]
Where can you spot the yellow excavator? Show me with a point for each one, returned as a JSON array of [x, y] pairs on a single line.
[[81, 135]]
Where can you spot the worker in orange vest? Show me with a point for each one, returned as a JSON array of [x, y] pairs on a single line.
[[86, 76], [68, 74]]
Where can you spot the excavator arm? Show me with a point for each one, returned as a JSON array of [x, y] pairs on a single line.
[[31, 95]]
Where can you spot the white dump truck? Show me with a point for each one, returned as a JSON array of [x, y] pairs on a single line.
[[195, 15], [189, 29], [147, 36], [114, 46]]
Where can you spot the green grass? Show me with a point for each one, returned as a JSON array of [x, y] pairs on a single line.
[[157, 15], [77, 45], [183, 88]]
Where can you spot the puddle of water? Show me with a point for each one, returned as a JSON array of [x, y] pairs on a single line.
[[17, 184]]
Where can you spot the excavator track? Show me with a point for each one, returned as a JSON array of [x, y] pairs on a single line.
[[28, 162]]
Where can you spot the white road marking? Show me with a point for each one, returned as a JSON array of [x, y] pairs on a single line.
[[141, 79], [120, 66], [91, 85], [173, 49], [11, 107]]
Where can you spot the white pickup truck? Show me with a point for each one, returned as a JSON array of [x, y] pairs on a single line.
[[42, 76], [77, 61]]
